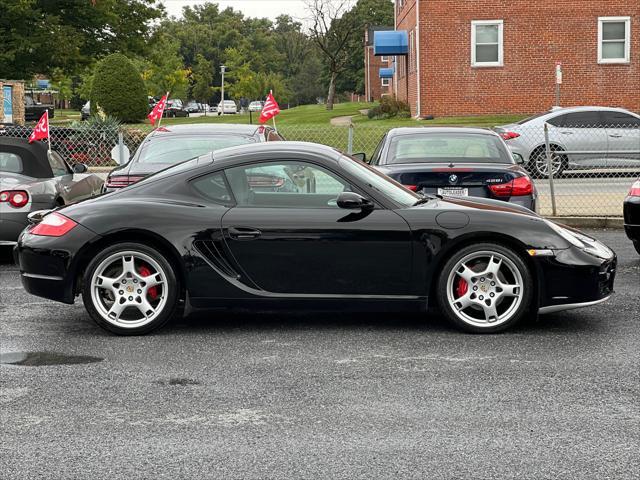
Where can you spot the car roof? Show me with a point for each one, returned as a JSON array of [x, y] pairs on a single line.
[[34, 156], [207, 128], [295, 149], [435, 130]]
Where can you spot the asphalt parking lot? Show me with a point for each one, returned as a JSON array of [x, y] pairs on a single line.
[[295, 395]]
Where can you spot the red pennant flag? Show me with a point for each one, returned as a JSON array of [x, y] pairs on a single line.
[[156, 113], [42, 128], [270, 109]]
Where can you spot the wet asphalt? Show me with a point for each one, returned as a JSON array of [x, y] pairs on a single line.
[[265, 395]]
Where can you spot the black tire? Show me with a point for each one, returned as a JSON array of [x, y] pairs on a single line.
[[636, 244], [169, 295], [541, 153], [513, 312]]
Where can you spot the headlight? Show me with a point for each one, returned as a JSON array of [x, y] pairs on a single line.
[[581, 241]]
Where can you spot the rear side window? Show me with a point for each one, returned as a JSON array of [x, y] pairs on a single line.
[[213, 187], [10, 162], [582, 120]]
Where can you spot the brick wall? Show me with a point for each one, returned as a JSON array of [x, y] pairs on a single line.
[[17, 103], [406, 71], [536, 35]]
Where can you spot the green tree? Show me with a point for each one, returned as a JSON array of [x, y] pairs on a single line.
[[163, 70], [202, 79], [41, 35], [118, 90]]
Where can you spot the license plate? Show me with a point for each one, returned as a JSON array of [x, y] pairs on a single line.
[[454, 192]]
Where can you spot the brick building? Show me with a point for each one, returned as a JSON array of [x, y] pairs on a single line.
[[375, 87], [477, 57], [12, 101]]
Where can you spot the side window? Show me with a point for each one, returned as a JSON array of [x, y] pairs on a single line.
[[583, 120], [10, 162], [213, 187], [290, 184], [58, 166], [557, 121], [274, 137], [375, 158], [614, 119]]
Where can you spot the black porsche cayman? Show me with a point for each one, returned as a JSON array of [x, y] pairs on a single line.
[[205, 233]]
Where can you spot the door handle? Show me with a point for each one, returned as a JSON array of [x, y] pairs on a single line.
[[615, 135], [566, 133], [244, 233]]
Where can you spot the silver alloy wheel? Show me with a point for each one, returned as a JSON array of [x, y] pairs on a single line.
[[494, 289], [124, 289], [542, 166]]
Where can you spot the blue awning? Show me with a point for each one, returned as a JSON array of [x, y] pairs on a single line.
[[390, 42], [386, 72]]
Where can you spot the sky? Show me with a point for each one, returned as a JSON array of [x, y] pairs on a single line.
[[251, 8]]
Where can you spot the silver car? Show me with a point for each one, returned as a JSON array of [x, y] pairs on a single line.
[[32, 179], [601, 137]]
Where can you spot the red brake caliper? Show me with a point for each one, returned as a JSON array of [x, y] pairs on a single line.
[[462, 287], [145, 272]]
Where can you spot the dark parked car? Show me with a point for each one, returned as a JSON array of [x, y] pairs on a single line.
[[632, 215], [176, 143], [34, 110], [175, 109], [455, 162], [32, 179], [200, 235]]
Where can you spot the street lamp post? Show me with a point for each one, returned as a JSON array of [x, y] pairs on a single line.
[[222, 70]]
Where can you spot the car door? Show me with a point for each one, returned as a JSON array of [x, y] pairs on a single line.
[[623, 135], [583, 132], [71, 186], [301, 242]]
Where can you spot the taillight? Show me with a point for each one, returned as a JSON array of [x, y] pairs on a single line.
[[15, 198], [635, 189], [515, 188], [509, 135], [413, 188], [53, 225], [120, 181]]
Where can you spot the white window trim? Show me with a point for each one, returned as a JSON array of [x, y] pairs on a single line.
[[384, 59], [385, 82], [627, 39], [500, 62]]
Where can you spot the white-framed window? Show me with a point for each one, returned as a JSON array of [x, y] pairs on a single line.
[[614, 39], [384, 59], [385, 82], [486, 43]]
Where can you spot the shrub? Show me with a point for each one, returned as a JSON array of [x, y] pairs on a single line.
[[118, 90], [389, 107]]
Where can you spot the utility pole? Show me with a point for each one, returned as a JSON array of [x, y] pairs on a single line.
[[222, 70]]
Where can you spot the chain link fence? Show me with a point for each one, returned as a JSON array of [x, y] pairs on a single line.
[[578, 169]]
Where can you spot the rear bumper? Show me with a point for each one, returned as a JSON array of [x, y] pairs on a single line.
[[11, 224], [48, 265]]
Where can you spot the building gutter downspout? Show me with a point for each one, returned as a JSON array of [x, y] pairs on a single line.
[[417, 59]]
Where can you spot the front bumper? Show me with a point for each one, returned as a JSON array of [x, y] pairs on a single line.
[[631, 211], [574, 278], [48, 265]]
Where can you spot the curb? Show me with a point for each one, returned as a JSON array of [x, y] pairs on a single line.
[[589, 222]]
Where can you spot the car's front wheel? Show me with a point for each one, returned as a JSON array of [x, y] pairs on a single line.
[[485, 288], [130, 289]]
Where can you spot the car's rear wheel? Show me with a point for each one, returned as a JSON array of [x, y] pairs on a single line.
[[485, 288], [539, 166], [130, 289]]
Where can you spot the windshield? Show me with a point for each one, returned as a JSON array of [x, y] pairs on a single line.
[[379, 182], [176, 149], [447, 147]]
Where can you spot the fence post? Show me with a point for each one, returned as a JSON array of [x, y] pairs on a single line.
[[547, 147], [350, 139], [121, 147]]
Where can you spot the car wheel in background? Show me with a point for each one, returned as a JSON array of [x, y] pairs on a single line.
[[485, 288], [539, 166], [130, 289]]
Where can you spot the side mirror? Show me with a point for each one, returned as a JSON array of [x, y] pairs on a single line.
[[360, 156], [518, 158], [80, 168], [354, 201]]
